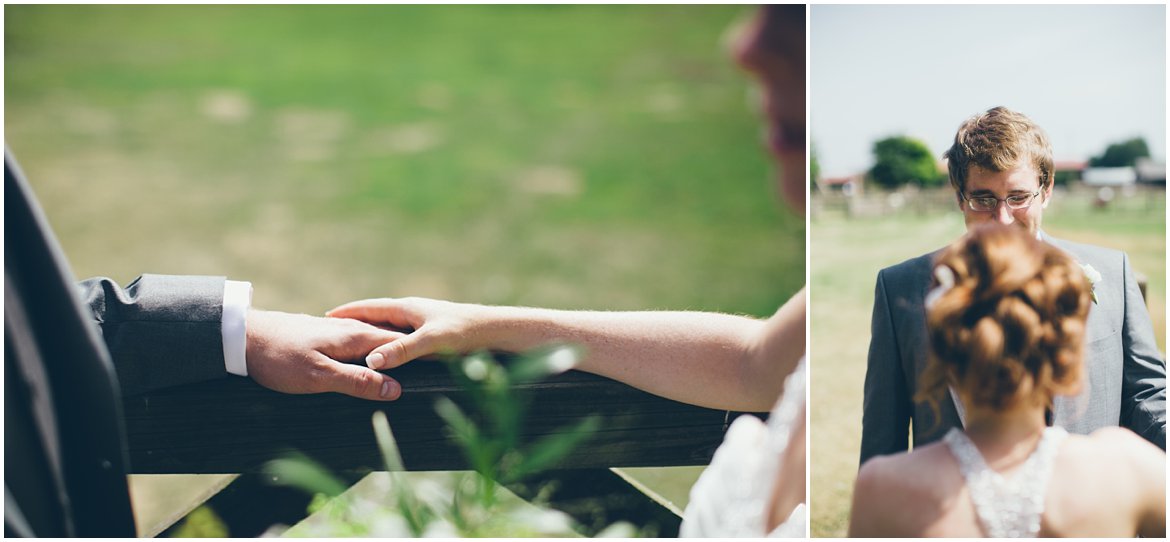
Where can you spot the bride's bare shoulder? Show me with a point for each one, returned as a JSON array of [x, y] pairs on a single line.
[[913, 471], [1110, 474], [1120, 446], [1112, 446], [892, 492]]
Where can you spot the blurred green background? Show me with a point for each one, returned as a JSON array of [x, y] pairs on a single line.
[[593, 157]]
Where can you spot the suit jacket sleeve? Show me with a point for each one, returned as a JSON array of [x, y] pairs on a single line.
[[1143, 394], [161, 330], [886, 409]]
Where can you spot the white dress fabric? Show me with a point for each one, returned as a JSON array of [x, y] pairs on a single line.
[[1007, 507], [732, 496]]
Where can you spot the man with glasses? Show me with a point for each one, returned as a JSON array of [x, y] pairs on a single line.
[[1001, 169]]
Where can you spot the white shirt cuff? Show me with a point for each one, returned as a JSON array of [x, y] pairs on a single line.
[[237, 299]]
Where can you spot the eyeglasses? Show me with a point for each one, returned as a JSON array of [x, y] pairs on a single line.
[[987, 204]]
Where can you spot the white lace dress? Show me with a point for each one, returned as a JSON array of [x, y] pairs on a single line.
[[732, 495], [1007, 507]]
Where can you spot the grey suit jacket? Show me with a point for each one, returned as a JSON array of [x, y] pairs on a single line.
[[161, 330], [64, 442], [1125, 372]]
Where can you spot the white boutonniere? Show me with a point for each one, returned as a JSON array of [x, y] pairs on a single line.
[[1094, 277], [946, 280]]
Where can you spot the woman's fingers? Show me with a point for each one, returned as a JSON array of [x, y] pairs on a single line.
[[384, 310], [420, 316]]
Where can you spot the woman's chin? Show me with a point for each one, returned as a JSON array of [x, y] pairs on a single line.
[[784, 142]]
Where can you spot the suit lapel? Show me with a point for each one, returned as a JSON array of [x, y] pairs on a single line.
[[1094, 405]]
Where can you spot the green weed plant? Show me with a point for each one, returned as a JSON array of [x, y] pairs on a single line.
[[471, 504]]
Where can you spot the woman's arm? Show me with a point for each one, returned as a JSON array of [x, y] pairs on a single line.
[[708, 359], [1149, 464]]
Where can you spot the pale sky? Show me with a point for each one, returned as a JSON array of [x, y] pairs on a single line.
[[1089, 75]]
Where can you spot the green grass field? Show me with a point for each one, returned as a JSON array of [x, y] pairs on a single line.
[[846, 256], [601, 157]]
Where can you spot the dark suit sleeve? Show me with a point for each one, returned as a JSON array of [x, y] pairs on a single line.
[[161, 330], [886, 409], [1143, 393]]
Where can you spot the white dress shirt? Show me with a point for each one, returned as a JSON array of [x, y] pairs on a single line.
[[237, 299]]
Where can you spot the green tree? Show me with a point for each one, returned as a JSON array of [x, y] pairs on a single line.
[[899, 160], [814, 168], [1122, 154]]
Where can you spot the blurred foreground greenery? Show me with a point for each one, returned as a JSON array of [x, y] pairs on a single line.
[[475, 503], [593, 157], [397, 504]]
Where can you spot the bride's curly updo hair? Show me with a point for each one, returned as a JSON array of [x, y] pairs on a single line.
[[1010, 330]]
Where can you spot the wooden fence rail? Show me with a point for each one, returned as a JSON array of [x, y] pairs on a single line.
[[234, 425]]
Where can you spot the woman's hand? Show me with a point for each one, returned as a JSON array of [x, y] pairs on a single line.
[[715, 360], [435, 326]]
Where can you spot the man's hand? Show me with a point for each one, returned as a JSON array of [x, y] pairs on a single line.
[[298, 353]]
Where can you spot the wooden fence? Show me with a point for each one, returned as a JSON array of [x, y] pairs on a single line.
[[235, 426], [911, 199]]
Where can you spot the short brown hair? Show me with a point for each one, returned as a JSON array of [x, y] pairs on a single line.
[[1012, 326], [999, 140]]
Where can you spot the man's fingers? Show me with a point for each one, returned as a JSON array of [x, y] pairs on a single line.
[[395, 353], [364, 383]]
